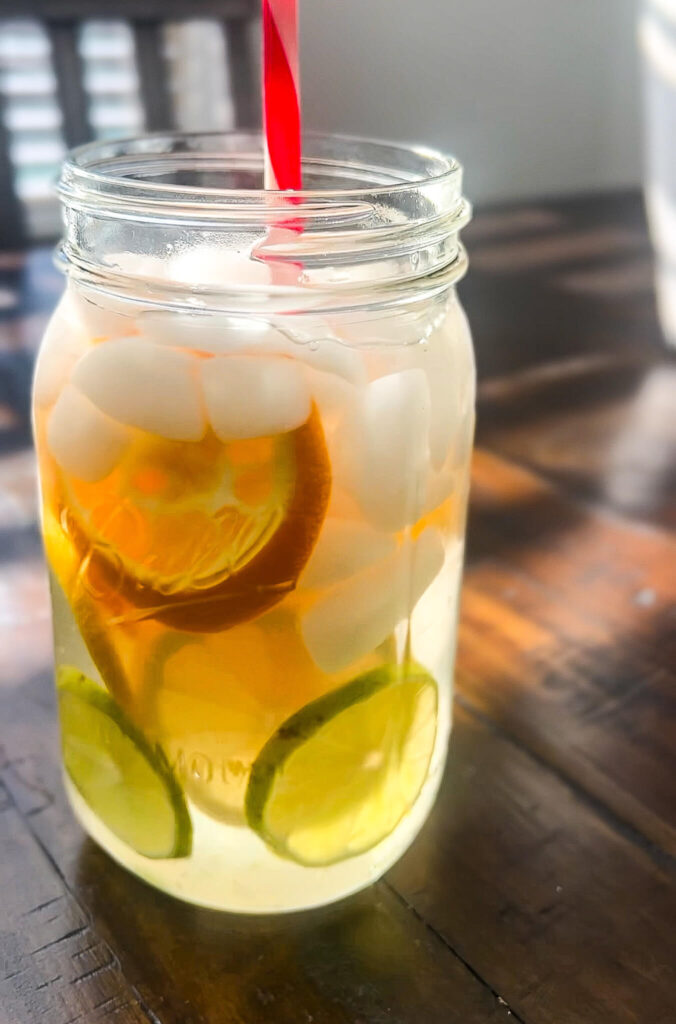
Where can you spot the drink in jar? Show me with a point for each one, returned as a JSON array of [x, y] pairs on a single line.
[[254, 527]]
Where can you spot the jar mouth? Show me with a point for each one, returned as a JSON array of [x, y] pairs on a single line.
[[184, 168], [371, 215]]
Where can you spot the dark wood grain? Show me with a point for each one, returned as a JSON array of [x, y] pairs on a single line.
[[605, 429], [555, 281], [568, 640], [542, 889], [54, 965], [571, 922]]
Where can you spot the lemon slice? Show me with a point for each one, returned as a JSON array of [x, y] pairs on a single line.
[[338, 776], [125, 781]]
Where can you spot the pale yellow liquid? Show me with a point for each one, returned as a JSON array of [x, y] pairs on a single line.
[[212, 698], [230, 868]]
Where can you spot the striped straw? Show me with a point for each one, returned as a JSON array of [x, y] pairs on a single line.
[[281, 94]]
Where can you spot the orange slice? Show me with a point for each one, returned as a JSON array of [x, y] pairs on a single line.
[[212, 700], [75, 610], [200, 535]]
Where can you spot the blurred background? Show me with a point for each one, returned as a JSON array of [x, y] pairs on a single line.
[[537, 97], [539, 100], [563, 114]]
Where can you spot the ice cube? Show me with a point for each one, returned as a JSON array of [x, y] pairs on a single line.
[[449, 364], [343, 549], [428, 557], [84, 441], [440, 485], [103, 316], [358, 614], [434, 617], [215, 333], [333, 395], [64, 342], [111, 315], [218, 267], [221, 334], [384, 329], [145, 386], [255, 396], [139, 264], [319, 350], [341, 503], [382, 449], [444, 403]]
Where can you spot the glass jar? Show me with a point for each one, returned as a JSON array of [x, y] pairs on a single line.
[[254, 416]]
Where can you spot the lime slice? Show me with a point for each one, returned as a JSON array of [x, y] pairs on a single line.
[[125, 780], [338, 776]]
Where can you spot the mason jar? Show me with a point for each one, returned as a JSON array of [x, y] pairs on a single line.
[[254, 414]]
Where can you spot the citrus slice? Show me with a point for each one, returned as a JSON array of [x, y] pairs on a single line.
[[82, 622], [125, 781], [338, 776], [212, 700], [200, 535]]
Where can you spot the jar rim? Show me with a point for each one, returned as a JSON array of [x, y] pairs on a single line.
[[372, 214], [115, 168]]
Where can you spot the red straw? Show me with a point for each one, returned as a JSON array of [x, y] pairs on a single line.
[[281, 94]]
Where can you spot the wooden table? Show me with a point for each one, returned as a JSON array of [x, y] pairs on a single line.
[[541, 890]]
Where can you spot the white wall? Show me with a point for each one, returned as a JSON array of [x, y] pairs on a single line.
[[535, 97]]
